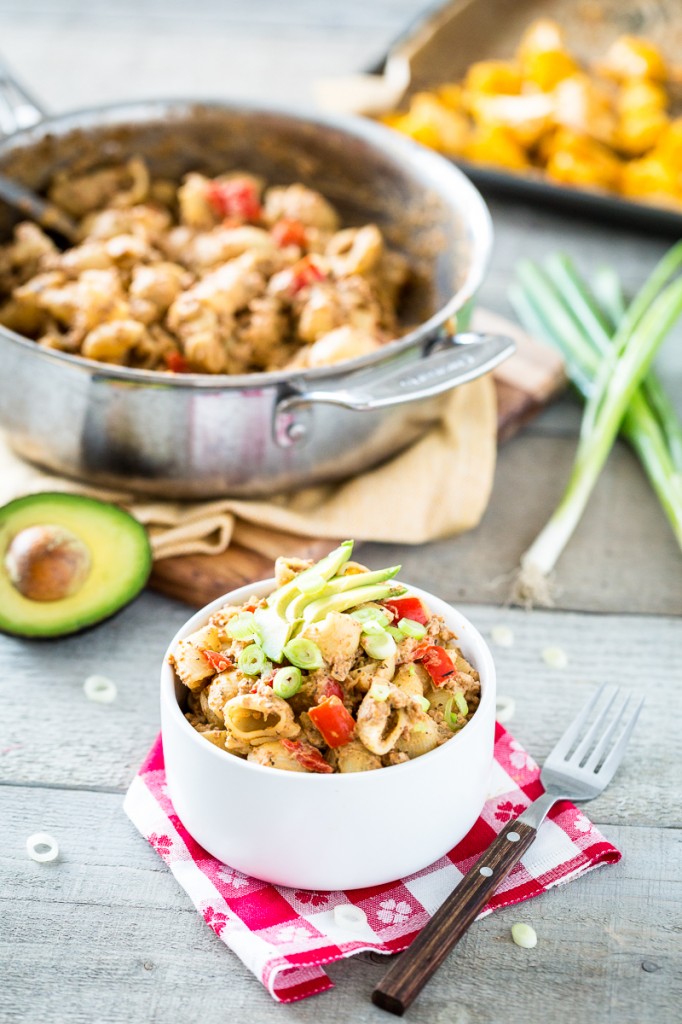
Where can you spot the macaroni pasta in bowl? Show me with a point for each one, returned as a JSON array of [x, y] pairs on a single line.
[[338, 670], [219, 275]]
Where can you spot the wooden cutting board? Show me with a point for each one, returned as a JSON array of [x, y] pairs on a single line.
[[525, 384]]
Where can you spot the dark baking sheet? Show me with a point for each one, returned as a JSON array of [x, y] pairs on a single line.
[[442, 42]]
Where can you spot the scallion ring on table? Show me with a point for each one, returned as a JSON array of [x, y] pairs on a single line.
[[524, 935], [303, 653], [287, 681], [42, 847], [412, 629], [252, 660], [504, 708], [379, 647], [100, 689]]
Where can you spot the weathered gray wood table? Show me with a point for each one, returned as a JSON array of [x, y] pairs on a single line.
[[104, 933]]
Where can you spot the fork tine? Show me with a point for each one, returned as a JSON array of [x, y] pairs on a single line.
[[605, 740], [576, 725], [586, 743], [608, 769]]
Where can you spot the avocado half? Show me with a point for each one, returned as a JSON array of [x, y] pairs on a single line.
[[67, 562]]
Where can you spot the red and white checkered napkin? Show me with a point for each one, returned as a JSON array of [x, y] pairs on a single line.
[[285, 935]]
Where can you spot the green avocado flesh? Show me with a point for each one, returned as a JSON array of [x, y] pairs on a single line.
[[67, 562]]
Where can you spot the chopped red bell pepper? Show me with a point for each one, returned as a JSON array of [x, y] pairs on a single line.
[[217, 660], [333, 720], [176, 362], [332, 689], [303, 273], [289, 232], [307, 755], [237, 198], [436, 661], [407, 608]]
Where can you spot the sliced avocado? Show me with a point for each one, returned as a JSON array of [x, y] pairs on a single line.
[[338, 585], [318, 609], [67, 562], [324, 570]]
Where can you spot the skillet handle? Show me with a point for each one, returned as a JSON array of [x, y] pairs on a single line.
[[18, 109], [466, 357]]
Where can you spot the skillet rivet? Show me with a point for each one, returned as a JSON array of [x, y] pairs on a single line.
[[296, 431]]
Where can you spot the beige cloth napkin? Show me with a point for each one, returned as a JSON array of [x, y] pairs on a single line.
[[438, 487]]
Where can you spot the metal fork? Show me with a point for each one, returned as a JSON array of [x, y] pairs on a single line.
[[579, 767]]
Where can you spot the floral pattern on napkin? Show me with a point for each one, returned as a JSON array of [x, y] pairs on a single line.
[[285, 936]]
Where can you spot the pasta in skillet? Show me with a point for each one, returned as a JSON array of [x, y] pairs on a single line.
[[219, 275], [339, 670]]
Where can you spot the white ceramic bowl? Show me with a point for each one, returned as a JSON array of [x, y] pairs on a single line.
[[340, 831]]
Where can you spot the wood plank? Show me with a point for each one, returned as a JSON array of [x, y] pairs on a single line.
[[137, 951], [198, 579], [94, 745]]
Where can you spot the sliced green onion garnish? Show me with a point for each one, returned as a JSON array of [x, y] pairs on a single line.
[[252, 660], [242, 626], [379, 692], [451, 718], [303, 653], [396, 633], [461, 704], [420, 727], [425, 704], [379, 647], [371, 615], [287, 681], [411, 628], [373, 628]]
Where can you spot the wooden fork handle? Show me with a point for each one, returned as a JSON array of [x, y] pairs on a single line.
[[408, 975]]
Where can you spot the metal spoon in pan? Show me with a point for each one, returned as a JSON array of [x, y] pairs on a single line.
[[33, 206]]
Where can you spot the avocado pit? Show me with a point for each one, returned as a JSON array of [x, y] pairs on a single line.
[[47, 563]]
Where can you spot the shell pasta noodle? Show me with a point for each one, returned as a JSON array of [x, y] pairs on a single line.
[[610, 125], [352, 674], [223, 275]]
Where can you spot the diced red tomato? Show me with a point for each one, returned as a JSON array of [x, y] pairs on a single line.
[[176, 362], [307, 755], [436, 661], [303, 273], [217, 660], [289, 232], [237, 198], [332, 689], [333, 720], [407, 608]]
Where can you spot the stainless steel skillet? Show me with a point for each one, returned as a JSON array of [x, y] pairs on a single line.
[[192, 435]]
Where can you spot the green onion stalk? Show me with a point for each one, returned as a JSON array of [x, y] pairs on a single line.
[[608, 349]]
